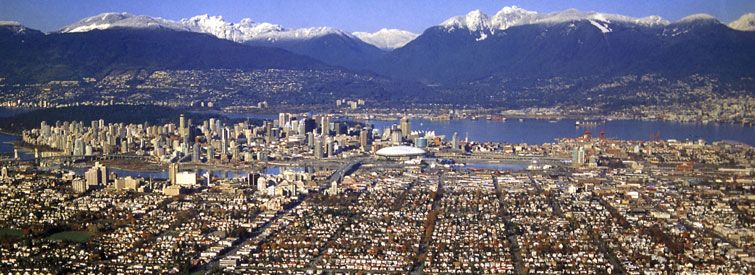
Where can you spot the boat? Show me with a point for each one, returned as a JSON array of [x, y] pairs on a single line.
[[586, 123]]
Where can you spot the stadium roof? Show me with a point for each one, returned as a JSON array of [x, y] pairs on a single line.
[[400, 151]]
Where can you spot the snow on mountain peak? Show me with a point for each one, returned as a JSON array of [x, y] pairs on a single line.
[[512, 16], [13, 26], [386, 39], [697, 17], [244, 30], [473, 21], [744, 23], [120, 20], [652, 21]]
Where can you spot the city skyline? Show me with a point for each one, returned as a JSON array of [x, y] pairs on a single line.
[[414, 16]]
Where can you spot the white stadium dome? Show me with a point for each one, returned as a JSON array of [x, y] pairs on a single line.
[[400, 151]]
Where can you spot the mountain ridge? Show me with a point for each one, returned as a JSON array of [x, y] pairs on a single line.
[[33, 56]]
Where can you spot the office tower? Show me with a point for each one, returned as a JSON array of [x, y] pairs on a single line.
[[195, 151], [454, 141], [234, 150], [396, 137], [365, 139], [78, 147], [330, 145], [182, 126], [252, 178], [124, 146], [268, 132], [302, 127], [578, 156], [173, 172], [210, 152], [283, 118], [406, 127], [386, 134], [318, 147], [325, 125], [309, 125]]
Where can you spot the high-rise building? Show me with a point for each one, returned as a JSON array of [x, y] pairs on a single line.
[[365, 139], [252, 178], [330, 146], [311, 140], [182, 126], [578, 156], [396, 137], [325, 125], [318, 147], [97, 175], [173, 172], [283, 118], [80, 186], [406, 127], [195, 153]]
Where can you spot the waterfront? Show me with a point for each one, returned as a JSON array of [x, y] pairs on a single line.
[[536, 131], [216, 173]]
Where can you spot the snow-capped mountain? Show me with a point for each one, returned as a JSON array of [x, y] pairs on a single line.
[[516, 43], [387, 39], [512, 43], [248, 30], [330, 45], [243, 31], [744, 23], [120, 20], [477, 21]]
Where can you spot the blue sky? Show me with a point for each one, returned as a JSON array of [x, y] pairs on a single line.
[[349, 15]]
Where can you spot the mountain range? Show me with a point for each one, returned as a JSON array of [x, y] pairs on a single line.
[[327, 44], [514, 43], [30, 56]]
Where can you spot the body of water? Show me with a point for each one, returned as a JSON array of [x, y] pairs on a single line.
[[536, 131]]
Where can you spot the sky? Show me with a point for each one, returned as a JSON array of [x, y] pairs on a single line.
[[348, 15]]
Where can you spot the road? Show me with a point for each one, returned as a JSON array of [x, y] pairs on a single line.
[[261, 232], [516, 255]]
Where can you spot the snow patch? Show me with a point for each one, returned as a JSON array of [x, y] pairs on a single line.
[[483, 36], [387, 39], [601, 27]]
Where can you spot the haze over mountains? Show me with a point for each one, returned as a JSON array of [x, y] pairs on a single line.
[[512, 44]]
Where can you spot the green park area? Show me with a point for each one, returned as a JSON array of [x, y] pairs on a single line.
[[7, 232], [74, 236]]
